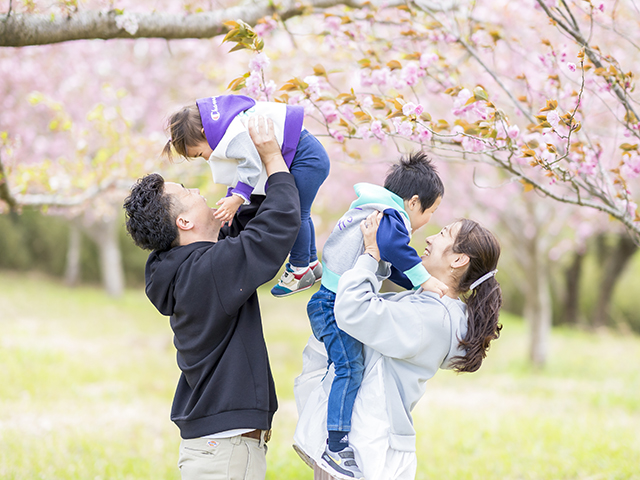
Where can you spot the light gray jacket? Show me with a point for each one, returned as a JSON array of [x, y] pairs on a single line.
[[407, 337], [416, 333]]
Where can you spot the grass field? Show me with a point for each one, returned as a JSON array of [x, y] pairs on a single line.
[[86, 384]]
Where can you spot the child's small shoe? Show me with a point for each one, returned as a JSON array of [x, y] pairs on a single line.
[[293, 282], [316, 268], [341, 464]]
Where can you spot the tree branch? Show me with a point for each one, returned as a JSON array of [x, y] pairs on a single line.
[[19, 30], [593, 56]]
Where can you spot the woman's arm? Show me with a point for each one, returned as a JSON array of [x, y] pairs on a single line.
[[395, 325]]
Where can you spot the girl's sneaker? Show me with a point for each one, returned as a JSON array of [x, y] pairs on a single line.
[[293, 282], [316, 268]]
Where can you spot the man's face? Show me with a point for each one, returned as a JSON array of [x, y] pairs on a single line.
[[194, 207]]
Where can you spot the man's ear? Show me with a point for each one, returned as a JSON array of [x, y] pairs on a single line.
[[183, 223]]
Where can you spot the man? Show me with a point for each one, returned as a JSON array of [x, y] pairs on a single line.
[[205, 278]]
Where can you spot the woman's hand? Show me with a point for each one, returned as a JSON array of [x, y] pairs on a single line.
[[369, 229], [263, 136]]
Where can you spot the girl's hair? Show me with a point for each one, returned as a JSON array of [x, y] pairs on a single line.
[[484, 301], [185, 129]]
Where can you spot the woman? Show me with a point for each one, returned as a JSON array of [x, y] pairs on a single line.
[[407, 337]]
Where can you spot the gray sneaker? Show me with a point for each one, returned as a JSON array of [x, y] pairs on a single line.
[[341, 464]]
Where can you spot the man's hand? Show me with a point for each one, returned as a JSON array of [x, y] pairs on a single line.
[[436, 286], [228, 207], [263, 137]]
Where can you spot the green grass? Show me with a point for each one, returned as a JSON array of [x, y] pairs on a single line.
[[87, 381]]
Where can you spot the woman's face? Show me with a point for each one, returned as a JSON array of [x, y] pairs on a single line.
[[438, 253]]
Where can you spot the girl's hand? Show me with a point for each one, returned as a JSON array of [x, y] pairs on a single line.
[[369, 229], [228, 206]]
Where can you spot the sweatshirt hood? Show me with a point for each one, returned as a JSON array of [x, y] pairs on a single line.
[[161, 272], [369, 193]]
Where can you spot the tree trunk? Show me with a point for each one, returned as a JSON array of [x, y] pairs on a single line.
[[105, 234], [537, 312], [615, 261], [572, 294], [72, 270]]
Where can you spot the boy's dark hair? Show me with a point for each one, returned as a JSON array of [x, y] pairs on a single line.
[[415, 175], [151, 214], [185, 130]]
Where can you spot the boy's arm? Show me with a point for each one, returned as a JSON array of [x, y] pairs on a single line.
[[399, 278], [393, 242]]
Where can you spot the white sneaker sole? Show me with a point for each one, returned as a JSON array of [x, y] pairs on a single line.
[[328, 469]]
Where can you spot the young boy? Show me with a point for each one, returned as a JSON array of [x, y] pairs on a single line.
[[214, 128], [412, 192]]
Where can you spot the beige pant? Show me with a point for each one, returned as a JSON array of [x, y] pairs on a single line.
[[235, 458]]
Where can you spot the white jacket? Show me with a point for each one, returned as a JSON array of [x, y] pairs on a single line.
[[407, 337]]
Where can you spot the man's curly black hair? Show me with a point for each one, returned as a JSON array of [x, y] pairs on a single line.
[[150, 217]]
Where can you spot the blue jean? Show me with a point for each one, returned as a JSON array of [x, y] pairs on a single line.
[[310, 168], [344, 351]]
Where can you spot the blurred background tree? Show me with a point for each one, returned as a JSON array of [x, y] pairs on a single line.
[[528, 108]]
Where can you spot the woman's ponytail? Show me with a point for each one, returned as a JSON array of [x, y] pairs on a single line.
[[484, 300]]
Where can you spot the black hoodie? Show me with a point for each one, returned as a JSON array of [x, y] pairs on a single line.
[[209, 291]]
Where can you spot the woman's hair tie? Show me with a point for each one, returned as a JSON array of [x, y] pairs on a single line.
[[486, 276]]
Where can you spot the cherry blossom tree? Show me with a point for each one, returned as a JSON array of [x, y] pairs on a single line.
[[540, 91]]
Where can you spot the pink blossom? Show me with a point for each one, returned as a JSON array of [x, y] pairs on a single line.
[[411, 108], [459, 106], [376, 129], [403, 128], [571, 67], [422, 134], [411, 73], [128, 22], [265, 27], [253, 85], [259, 62], [337, 135], [428, 59], [472, 144], [601, 7], [333, 23], [314, 86], [270, 88], [365, 78], [367, 102], [380, 76], [364, 132], [330, 111], [513, 131], [347, 112], [553, 118], [631, 167]]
